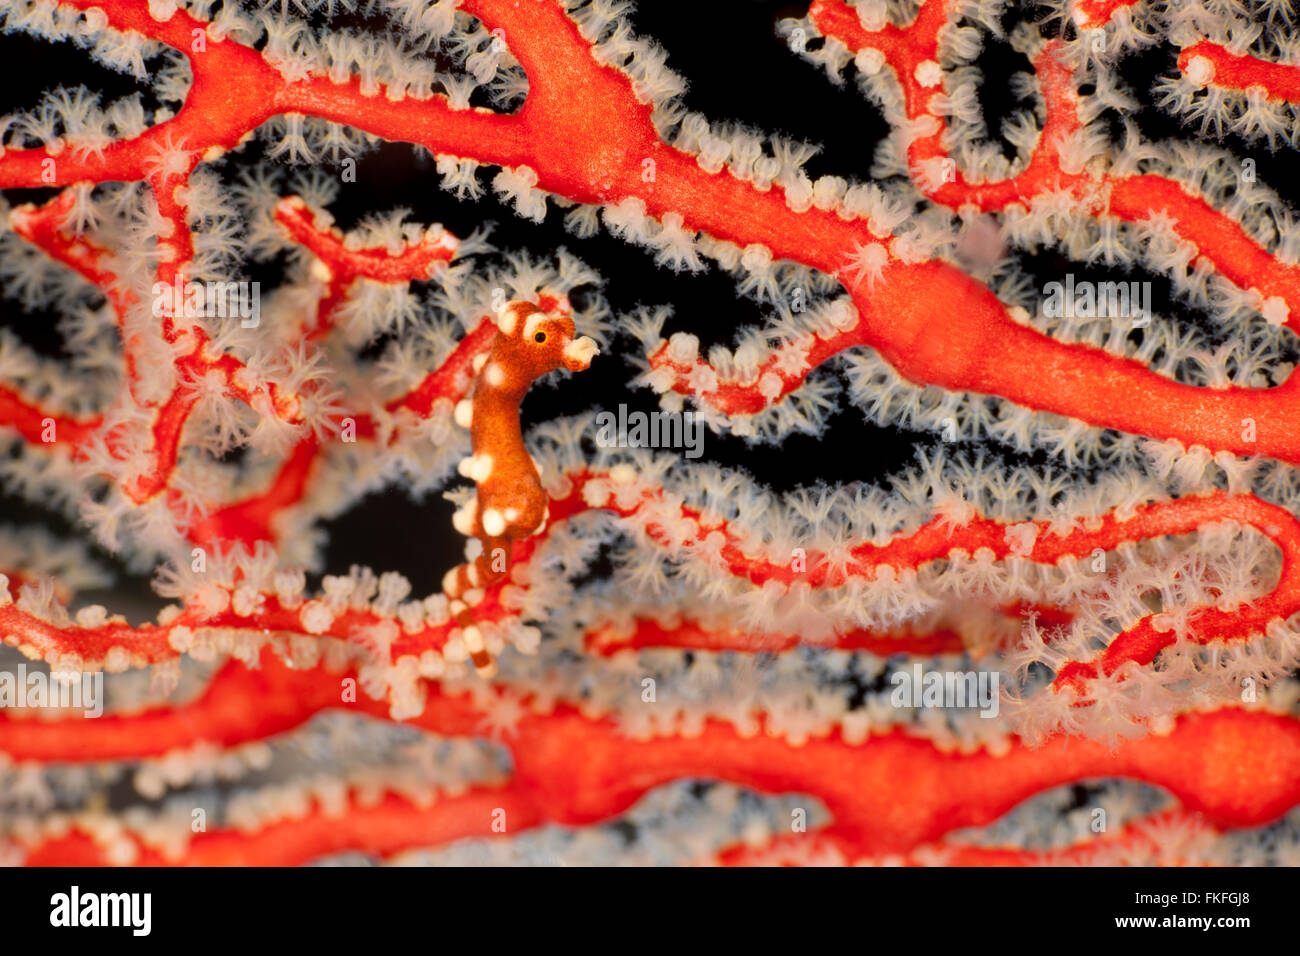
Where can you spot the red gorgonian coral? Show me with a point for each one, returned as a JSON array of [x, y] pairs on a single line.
[[1084, 324]]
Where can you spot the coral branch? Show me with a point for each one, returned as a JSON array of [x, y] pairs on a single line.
[[1205, 63]]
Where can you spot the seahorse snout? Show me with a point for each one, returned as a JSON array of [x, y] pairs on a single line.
[[579, 353]]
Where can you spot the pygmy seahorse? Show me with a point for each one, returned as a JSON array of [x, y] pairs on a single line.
[[510, 502]]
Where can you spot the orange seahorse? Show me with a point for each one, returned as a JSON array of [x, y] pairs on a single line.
[[510, 502]]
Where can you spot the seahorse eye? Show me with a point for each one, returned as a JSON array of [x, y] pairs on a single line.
[[539, 338]]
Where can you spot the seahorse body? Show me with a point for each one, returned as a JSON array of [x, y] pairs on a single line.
[[510, 502]]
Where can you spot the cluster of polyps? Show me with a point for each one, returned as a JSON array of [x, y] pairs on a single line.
[[1137, 599]]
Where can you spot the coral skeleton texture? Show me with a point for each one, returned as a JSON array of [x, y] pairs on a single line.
[[685, 660]]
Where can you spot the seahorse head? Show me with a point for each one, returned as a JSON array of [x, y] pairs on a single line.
[[533, 342]]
